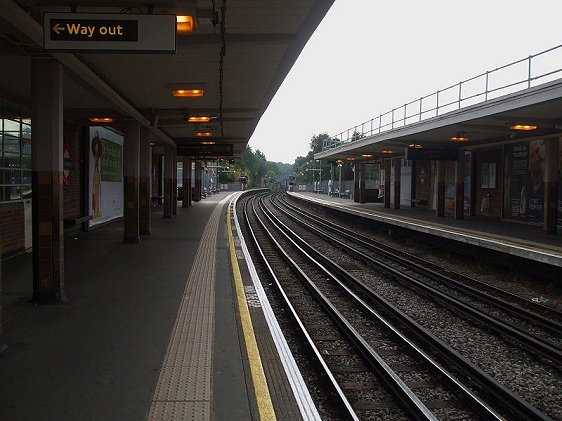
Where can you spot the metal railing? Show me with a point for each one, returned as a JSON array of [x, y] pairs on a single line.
[[521, 74]]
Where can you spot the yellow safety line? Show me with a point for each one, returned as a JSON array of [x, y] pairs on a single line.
[[265, 406]]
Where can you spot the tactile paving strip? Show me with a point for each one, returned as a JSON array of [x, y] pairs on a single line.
[[183, 391], [176, 411]]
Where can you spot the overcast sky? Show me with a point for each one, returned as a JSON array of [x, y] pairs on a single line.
[[367, 57]]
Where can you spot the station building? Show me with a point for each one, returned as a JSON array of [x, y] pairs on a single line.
[[92, 128], [492, 151], [92, 139]]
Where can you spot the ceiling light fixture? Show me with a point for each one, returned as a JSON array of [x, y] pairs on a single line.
[[415, 145], [198, 119], [101, 119], [208, 143], [184, 24], [188, 92], [459, 138], [203, 134], [524, 127], [386, 151], [350, 158], [367, 155]]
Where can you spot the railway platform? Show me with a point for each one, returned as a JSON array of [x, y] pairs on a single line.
[[174, 328], [526, 241], [162, 330]]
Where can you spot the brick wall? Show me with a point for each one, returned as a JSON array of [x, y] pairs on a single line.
[[12, 234], [72, 191]]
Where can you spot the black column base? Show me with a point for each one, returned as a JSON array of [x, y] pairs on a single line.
[[43, 297], [131, 240]]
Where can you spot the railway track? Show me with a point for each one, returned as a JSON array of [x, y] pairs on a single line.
[[363, 351], [538, 313], [536, 328]]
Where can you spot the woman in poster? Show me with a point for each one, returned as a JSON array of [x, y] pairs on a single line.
[[97, 150], [535, 191]]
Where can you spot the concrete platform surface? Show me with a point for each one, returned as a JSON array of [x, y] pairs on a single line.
[[98, 357], [523, 240]]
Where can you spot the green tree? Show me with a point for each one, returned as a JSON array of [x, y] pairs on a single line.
[[248, 166], [317, 142], [356, 136], [272, 173], [258, 169], [304, 163]]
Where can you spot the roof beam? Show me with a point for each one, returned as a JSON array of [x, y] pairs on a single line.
[[180, 122], [17, 17], [207, 39], [225, 139], [180, 112]]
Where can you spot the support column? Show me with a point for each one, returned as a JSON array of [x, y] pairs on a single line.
[[47, 190], [132, 174], [3, 346], [168, 181], [551, 161], [397, 171], [186, 182], [440, 188], [340, 166], [362, 183], [356, 183], [387, 183], [145, 184], [198, 187], [413, 184], [160, 182], [459, 187], [175, 183]]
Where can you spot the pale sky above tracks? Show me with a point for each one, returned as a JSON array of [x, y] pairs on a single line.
[[368, 56]]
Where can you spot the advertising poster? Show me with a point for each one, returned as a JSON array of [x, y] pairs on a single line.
[[450, 189], [467, 183], [106, 175], [406, 183], [372, 179], [422, 180], [524, 182], [559, 221], [515, 181], [535, 190]]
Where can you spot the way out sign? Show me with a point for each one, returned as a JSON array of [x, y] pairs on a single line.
[[109, 32]]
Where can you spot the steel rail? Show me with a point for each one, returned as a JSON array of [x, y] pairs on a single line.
[[512, 402], [537, 345], [411, 403], [345, 407], [334, 272], [431, 270]]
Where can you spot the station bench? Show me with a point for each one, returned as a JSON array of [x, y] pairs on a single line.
[[73, 223], [420, 202], [345, 194]]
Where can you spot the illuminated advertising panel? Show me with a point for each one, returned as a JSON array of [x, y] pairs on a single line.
[[105, 175]]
